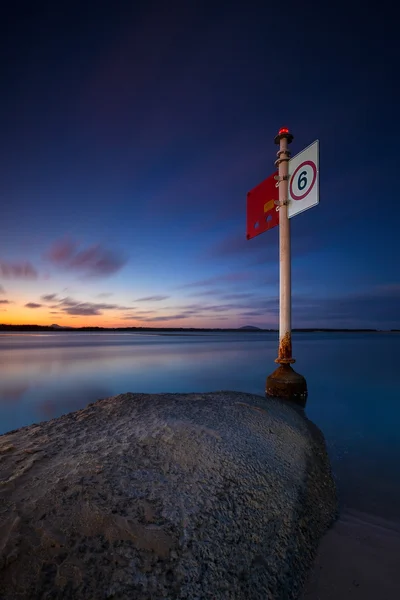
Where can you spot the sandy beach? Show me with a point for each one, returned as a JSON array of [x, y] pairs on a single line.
[[359, 558]]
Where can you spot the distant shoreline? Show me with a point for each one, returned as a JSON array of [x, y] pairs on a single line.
[[49, 328]]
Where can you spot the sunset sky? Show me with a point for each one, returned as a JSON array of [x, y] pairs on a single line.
[[130, 133]]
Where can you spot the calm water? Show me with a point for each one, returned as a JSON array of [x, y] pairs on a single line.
[[353, 388]]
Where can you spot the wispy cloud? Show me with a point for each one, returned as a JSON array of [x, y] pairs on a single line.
[[151, 299], [376, 307], [48, 297], [33, 305], [67, 301], [2, 290], [238, 296], [199, 308], [386, 289], [254, 313], [223, 278], [232, 244], [83, 309], [4, 302], [18, 270], [165, 318], [264, 248], [104, 295], [209, 292], [94, 261], [138, 314], [72, 307]]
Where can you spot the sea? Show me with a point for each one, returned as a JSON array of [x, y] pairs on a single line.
[[353, 388]]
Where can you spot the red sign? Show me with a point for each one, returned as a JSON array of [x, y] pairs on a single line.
[[261, 208]]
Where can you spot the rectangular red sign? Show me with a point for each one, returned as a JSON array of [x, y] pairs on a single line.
[[261, 208]]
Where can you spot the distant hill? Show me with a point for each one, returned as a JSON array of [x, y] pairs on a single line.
[[55, 326], [250, 327]]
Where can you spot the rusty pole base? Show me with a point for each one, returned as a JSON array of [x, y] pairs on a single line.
[[285, 383]]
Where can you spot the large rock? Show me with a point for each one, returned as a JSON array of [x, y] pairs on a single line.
[[220, 495]]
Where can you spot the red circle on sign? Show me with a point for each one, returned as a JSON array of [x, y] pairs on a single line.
[[314, 168]]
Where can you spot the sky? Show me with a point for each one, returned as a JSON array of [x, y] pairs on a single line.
[[131, 132]]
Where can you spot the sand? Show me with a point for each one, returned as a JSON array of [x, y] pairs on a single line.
[[359, 558]]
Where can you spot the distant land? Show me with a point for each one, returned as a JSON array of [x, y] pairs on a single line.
[[245, 329]]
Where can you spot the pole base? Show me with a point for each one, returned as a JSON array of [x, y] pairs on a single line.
[[285, 383]]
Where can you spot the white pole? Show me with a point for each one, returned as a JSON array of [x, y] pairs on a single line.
[[284, 382], [285, 283]]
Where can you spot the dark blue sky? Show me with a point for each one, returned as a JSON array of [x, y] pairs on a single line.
[[131, 132]]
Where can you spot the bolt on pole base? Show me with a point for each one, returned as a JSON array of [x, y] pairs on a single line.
[[286, 384]]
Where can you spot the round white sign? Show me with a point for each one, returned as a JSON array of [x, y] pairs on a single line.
[[303, 180]]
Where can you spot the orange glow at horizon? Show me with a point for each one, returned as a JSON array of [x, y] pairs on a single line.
[[149, 315], [21, 315], [26, 316]]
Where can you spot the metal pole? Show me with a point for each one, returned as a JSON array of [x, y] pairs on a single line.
[[284, 382], [285, 283]]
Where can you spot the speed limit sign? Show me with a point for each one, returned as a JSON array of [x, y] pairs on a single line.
[[303, 180]]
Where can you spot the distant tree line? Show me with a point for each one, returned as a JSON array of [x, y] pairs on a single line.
[[31, 328]]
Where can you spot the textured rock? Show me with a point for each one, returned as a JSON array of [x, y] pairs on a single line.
[[222, 496]]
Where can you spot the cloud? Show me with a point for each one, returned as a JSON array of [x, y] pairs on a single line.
[[265, 248], [98, 305], [5, 302], [238, 296], [233, 244], [84, 310], [67, 302], [166, 318], [2, 290], [261, 305], [152, 299], [253, 313], [386, 289], [19, 270], [160, 319], [138, 314], [374, 308], [104, 295], [73, 307], [208, 307], [94, 261], [226, 278], [49, 297], [210, 292]]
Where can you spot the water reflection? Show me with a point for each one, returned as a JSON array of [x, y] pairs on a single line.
[[354, 402], [50, 375], [12, 391], [59, 402]]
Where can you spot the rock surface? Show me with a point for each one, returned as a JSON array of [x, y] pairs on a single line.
[[220, 496]]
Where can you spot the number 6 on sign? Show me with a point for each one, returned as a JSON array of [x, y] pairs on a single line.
[[304, 180]]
